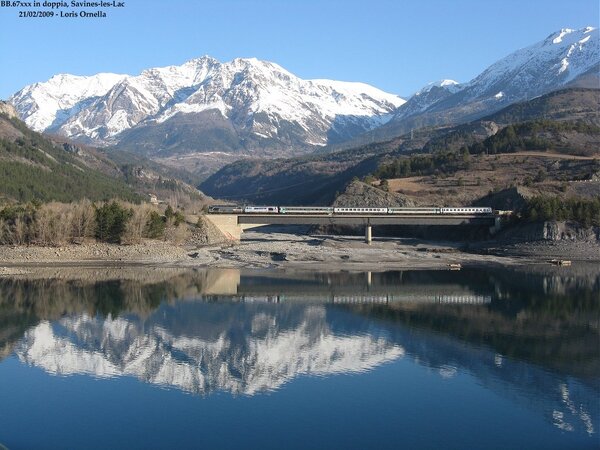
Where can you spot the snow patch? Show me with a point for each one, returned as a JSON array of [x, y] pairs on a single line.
[[450, 85], [186, 108], [558, 39]]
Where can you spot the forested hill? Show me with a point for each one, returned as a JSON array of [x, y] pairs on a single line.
[[32, 167]]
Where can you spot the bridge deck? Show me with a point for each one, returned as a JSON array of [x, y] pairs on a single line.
[[364, 219]]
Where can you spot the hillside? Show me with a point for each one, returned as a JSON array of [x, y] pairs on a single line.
[[358, 194], [537, 173], [34, 168]]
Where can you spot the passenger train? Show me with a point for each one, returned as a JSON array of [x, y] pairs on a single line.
[[329, 210]]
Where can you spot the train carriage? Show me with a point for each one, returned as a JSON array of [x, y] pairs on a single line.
[[225, 209], [326, 210], [405, 210], [360, 210], [467, 210], [261, 209]]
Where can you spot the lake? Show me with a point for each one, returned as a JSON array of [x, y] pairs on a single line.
[[151, 358]]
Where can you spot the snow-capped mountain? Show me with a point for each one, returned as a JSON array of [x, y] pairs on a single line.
[[565, 58], [44, 106], [540, 68], [219, 106], [185, 115]]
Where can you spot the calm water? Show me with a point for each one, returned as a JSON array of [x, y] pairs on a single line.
[[144, 358]]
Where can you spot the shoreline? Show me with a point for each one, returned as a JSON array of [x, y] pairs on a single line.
[[260, 250]]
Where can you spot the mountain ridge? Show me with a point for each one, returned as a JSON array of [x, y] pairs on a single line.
[[551, 64], [250, 99]]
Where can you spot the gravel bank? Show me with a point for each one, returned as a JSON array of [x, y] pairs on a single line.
[[150, 252], [260, 249]]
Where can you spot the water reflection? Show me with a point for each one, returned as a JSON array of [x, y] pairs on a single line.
[[529, 336], [240, 350]]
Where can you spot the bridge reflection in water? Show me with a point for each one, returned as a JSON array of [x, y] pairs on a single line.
[[367, 287]]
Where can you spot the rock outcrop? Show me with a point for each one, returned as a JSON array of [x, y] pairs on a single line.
[[8, 109], [553, 231], [359, 194]]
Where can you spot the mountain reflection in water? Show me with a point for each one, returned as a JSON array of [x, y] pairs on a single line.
[[531, 337], [238, 348]]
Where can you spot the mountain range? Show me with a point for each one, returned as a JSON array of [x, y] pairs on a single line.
[[205, 114], [204, 105]]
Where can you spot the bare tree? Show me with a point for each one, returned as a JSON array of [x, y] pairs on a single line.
[[19, 231], [134, 230], [53, 223], [83, 220]]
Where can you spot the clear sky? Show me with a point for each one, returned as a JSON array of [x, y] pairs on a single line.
[[395, 45]]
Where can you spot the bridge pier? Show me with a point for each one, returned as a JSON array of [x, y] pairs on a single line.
[[497, 225], [229, 225], [368, 236]]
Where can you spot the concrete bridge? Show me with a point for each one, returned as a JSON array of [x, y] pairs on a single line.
[[232, 225]]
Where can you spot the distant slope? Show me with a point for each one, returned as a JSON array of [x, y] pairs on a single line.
[[574, 105], [315, 179], [311, 180], [561, 137], [566, 104]]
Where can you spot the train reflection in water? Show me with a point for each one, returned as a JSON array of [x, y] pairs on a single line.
[[441, 299]]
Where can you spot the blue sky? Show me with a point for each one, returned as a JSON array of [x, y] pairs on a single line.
[[397, 46]]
